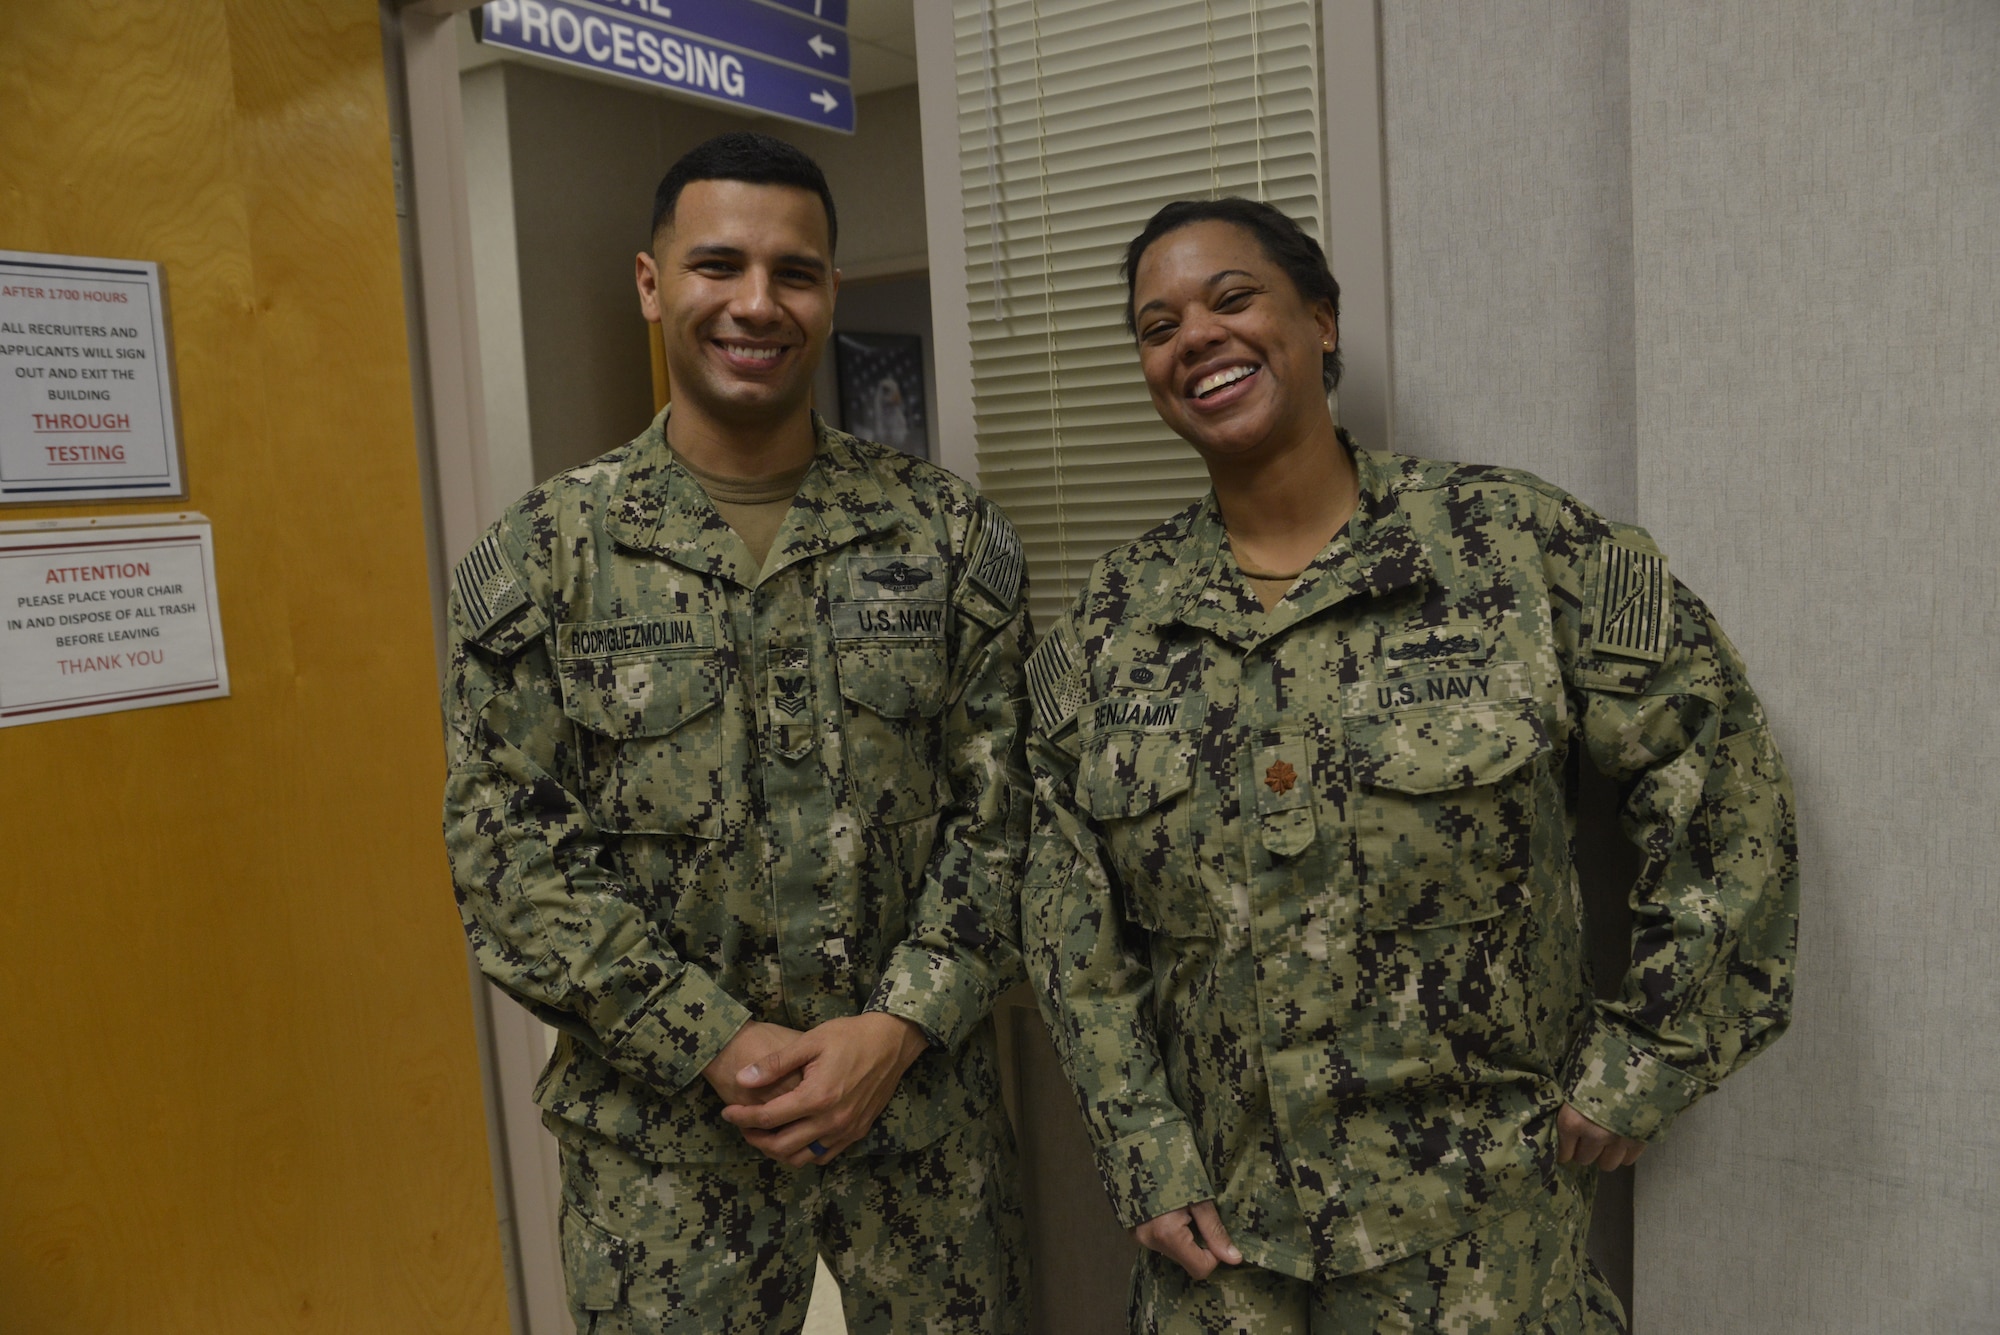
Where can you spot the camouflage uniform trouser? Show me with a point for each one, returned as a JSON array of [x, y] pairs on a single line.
[[1524, 1273], [930, 1241]]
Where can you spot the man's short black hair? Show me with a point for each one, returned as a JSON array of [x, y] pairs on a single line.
[[1283, 242], [743, 155]]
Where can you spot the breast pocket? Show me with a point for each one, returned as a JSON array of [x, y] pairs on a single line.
[[651, 734], [1444, 810], [1138, 787], [892, 728]]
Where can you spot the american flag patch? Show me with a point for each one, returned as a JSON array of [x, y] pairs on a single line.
[[1055, 679], [1634, 604], [996, 558], [488, 589]]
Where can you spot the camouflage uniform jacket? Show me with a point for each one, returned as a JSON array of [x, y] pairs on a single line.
[[683, 796], [1300, 907]]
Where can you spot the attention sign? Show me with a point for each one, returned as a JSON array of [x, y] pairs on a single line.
[[782, 57], [86, 385], [96, 618]]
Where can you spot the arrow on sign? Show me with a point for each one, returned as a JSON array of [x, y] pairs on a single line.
[[827, 101], [821, 47]]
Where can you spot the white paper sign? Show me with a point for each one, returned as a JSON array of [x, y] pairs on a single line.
[[96, 618], [86, 381]]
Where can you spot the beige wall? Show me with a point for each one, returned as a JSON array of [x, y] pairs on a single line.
[[1731, 270], [1816, 190], [1511, 239], [581, 163]]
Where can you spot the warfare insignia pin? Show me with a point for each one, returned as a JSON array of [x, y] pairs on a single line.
[[898, 575], [1280, 777], [1436, 645]]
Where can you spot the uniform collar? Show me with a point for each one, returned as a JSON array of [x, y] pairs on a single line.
[[657, 506], [1376, 554]]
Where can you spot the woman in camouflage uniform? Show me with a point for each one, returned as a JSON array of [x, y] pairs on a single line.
[[1301, 911]]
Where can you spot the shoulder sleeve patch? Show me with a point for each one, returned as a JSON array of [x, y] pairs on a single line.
[[1057, 684], [490, 594], [1635, 603], [996, 561]]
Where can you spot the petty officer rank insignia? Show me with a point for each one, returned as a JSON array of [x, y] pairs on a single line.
[[789, 668], [788, 695], [488, 589], [1634, 604]]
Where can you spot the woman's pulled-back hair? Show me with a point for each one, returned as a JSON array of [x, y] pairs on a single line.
[[1283, 241]]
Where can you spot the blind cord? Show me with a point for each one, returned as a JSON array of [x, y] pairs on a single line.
[[1214, 140], [996, 193], [1049, 311]]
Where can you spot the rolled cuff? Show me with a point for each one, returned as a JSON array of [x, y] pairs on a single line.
[[1623, 1088], [682, 1027], [940, 995], [1151, 1172]]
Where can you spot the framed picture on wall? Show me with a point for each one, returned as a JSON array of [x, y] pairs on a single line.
[[882, 389]]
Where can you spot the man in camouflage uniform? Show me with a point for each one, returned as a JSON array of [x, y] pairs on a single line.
[[1302, 912], [745, 826]]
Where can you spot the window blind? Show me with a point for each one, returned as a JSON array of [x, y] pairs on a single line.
[[1077, 119]]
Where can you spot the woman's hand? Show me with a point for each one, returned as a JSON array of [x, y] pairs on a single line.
[[1193, 1236], [1580, 1140]]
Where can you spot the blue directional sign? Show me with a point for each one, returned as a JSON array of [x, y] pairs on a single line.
[[780, 32], [833, 11], [767, 57]]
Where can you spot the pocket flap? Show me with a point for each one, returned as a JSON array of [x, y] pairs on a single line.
[[1126, 773], [1743, 761], [593, 1262], [896, 679], [1438, 748], [643, 697]]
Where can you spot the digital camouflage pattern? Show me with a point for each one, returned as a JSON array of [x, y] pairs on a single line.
[[1300, 907], [929, 1241], [1524, 1273], [685, 793]]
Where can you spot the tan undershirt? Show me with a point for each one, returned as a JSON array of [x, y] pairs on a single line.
[[752, 506]]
